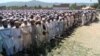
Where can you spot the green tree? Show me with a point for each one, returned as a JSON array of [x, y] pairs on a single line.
[[35, 7], [98, 7], [73, 6], [3, 7], [25, 5], [83, 5], [95, 5], [39, 6], [99, 2]]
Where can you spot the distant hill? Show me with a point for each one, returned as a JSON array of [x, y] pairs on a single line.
[[30, 3], [35, 3]]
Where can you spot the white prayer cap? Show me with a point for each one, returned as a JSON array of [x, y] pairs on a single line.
[[30, 19], [34, 18], [17, 22], [9, 13], [60, 17], [25, 19], [66, 14], [37, 15], [14, 19], [56, 15], [43, 18], [47, 16], [4, 19], [11, 18], [46, 22]]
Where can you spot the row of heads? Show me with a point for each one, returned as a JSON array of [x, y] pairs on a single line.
[[32, 21], [41, 14]]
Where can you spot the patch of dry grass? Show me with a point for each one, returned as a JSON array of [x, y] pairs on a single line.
[[85, 41], [72, 48]]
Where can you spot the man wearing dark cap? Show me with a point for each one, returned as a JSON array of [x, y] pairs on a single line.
[[7, 38]]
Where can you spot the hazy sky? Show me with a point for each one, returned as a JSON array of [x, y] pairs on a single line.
[[59, 1]]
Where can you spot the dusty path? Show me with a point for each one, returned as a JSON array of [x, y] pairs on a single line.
[[85, 41]]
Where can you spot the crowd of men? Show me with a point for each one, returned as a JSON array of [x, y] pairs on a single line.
[[24, 29]]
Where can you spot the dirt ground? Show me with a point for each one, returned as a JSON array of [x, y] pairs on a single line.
[[85, 41]]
